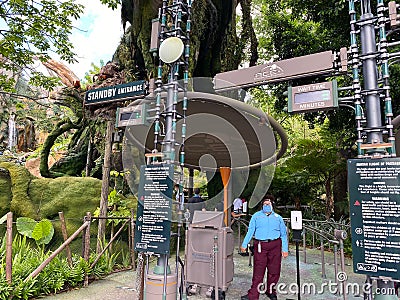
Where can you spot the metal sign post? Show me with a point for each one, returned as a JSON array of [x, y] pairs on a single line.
[[296, 221]]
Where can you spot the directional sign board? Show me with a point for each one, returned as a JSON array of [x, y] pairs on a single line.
[[313, 97], [153, 220], [374, 190], [121, 92]]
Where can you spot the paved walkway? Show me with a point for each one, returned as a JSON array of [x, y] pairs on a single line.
[[122, 285]]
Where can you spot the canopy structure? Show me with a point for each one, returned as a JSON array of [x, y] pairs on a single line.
[[221, 132]]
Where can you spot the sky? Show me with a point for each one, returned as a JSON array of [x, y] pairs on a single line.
[[96, 36]]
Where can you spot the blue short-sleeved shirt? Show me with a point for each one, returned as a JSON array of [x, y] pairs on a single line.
[[264, 227]]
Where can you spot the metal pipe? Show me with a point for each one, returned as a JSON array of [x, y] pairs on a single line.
[[165, 281], [239, 236], [323, 273], [298, 270], [368, 281], [372, 102], [342, 263], [335, 249], [216, 294], [304, 246], [146, 273]]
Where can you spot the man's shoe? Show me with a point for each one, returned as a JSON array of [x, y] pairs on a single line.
[[245, 297], [272, 296]]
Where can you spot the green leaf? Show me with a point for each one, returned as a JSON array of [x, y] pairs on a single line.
[[25, 226], [43, 232]]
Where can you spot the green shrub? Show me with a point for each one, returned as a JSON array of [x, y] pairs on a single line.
[[56, 276]]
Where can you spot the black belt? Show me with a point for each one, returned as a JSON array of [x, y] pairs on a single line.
[[268, 240]]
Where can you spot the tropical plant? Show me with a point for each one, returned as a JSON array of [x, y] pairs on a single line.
[[119, 206], [57, 275], [42, 231]]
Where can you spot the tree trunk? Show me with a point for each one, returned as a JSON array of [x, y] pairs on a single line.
[[341, 206], [297, 203], [66, 76], [329, 199], [105, 185], [88, 158], [215, 46], [60, 128]]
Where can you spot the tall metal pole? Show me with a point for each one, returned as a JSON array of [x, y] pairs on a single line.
[[370, 74], [298, 270], [174, 16], [369, 55]]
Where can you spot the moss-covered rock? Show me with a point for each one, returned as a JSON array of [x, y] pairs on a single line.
[[39, 198], [21, 204], [72, 195], [5, 191]]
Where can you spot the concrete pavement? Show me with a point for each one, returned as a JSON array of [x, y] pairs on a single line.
[[122, 285]]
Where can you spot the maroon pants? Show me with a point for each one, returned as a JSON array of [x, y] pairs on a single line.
[[270, 258]]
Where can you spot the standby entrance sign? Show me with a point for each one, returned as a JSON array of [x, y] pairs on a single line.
[[116, 93], [374, 190]]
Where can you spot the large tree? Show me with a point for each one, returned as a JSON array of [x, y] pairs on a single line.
[[34, 31], [215, 43], [215, 46]]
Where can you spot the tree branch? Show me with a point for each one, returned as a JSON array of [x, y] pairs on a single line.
[[60, 128]]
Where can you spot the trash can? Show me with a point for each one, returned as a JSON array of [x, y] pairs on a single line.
[[199, 251]]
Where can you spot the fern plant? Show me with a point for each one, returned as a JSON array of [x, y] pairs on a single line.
[[56, 276]]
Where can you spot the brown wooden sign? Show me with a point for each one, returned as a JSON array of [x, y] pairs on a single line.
[[302, 66]]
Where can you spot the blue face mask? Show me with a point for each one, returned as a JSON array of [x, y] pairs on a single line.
[[267, 208]]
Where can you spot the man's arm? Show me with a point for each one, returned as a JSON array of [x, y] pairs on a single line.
[[249, 235], [284, 238]]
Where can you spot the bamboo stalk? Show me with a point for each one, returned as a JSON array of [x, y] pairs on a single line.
[[108, 245], [105, 184], [9, 248], [56, 252], [65, 236], [86, 252]]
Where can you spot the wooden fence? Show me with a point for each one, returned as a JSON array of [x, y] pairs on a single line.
[[85, 230]]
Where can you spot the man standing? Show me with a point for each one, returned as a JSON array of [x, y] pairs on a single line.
[[270, 244], [195, 203], [176, 192], [237, 205]]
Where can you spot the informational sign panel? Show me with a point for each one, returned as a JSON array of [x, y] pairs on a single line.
[[153, 221], [374, 189], [115, 93], [313, 97]]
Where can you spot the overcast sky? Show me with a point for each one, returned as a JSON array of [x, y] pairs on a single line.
[[97, 37]]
